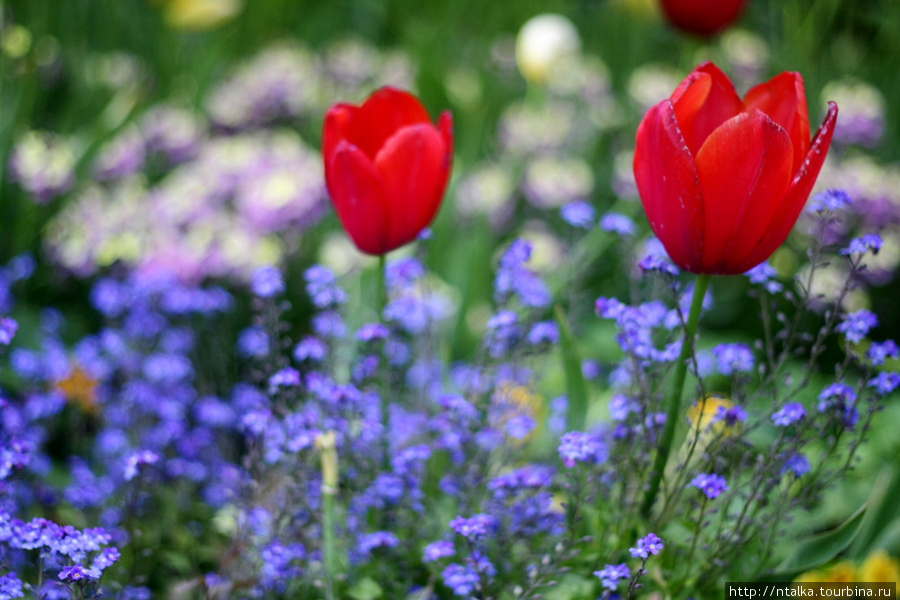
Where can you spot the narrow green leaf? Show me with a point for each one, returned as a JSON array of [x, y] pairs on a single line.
[[576, 386], [882, 509], [819, 549]]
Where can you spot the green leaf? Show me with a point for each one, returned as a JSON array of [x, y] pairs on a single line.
[[571, 587], [882, 509], [365, 589], [821, 548], [576, 387]]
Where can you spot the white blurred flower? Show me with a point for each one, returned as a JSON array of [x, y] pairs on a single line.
[[651, 84], [747, 55], [544, 41], [550, 182], [862, 111], [488, 190], [548, 251], [44, 165]]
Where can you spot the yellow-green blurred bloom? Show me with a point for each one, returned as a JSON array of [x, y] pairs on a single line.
[[200, 14]]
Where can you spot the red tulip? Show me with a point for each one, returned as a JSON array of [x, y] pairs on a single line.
[[703, 17], [723, 180], [386, 167]]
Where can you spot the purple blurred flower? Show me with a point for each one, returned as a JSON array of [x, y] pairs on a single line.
[[789, 414], [11, 586], [462, 580], [710, 484], [618, 223], [310, 348], [620, 406], [730, 416], [371, 332], [841, 399], [514, 278], [438, 550], [829, 201], [871, 242], [881, 351], [121, 156], [379, 539], [582, 447], [734, 358], [544, 332], [8, 328], [658, 262], [610, 575], [856, 325], [473, 528], [322, 287], [502, 333], [765, 274], [649, 544], [76, 573], [797, 464], [885, 382], [267, 282], [253, 342], [173, 132], [141, 457], [579, 214], [286, 377]]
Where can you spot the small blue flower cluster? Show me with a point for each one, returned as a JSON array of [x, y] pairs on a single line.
[[710, 484], [611, 575]]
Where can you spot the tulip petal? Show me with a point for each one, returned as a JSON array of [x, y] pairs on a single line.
[[414, 166], [667, 180], [797, 195], [382, 115], [358, 197], [745, 171], [445, 126], [338, 124], [703, 101], [783, 98]]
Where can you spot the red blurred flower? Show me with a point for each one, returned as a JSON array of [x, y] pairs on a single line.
[[703, 17], [386, 166], [723, 180]]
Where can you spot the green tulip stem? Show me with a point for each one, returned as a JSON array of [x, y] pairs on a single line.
[[380, 305], [326, 444], [673, 402], [381, 301]]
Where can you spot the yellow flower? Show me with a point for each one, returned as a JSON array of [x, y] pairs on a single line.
[[879, 567], [707, 411], [80, 389], [843, 572], [517, 402]]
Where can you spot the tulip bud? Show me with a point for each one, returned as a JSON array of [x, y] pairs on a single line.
[[703, 17]]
